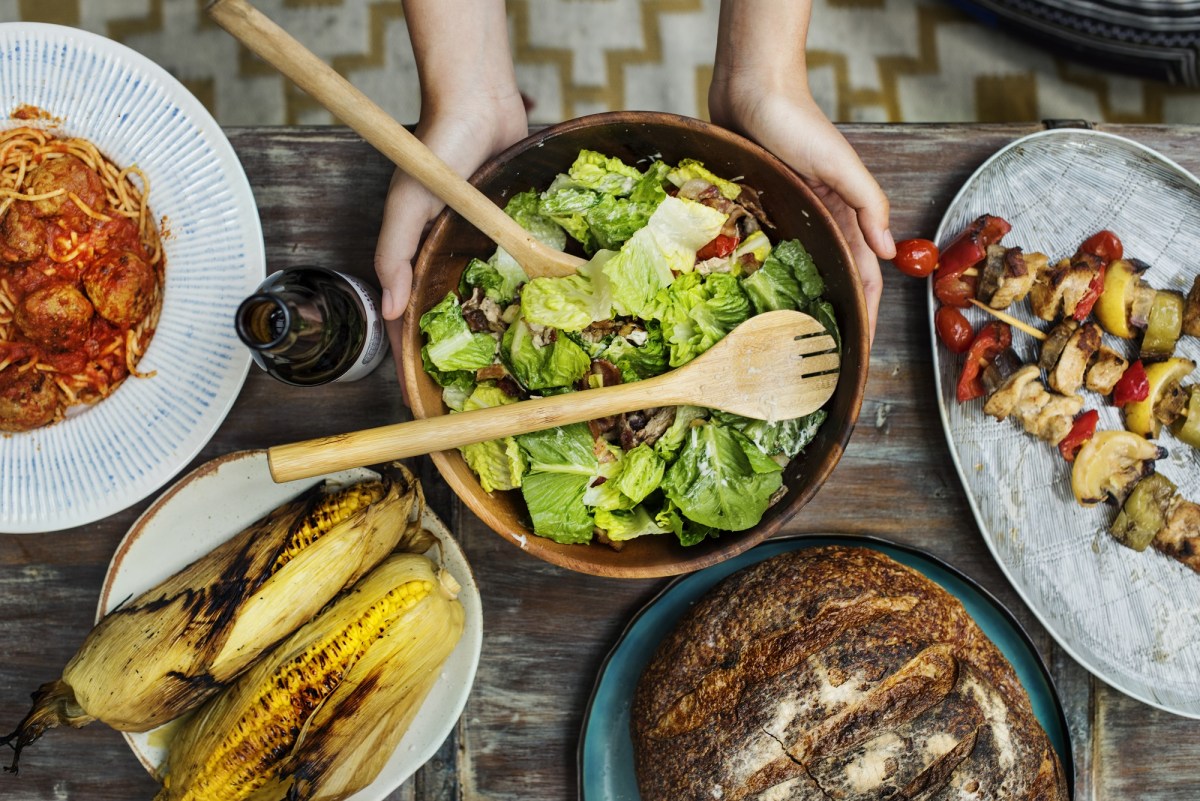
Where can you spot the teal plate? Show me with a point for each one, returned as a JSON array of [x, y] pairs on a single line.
[[605, 749]]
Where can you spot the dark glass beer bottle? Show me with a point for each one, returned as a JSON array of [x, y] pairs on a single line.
[[310, 325]]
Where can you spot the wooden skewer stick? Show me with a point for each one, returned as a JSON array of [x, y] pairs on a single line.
[[1013, 321]]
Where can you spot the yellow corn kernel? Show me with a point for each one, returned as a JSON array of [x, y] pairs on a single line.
[[265, 733], [325, 512]]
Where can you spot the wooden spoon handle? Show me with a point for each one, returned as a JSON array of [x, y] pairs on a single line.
[[446, 432], [257, 32]]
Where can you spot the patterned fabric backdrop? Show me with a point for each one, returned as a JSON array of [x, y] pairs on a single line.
[[871, 60]]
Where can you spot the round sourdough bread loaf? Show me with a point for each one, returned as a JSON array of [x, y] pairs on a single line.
[[835, 673]]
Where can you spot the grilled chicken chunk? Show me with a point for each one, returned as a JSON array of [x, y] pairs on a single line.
[[1008, 275], [1107, 368], [1044, 414], [1058, 289], [1068, 373], [1180, 537]]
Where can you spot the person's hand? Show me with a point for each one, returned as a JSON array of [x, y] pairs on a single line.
[[464, 139], [793, 127]]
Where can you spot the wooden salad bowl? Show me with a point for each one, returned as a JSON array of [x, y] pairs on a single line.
[[636, 137]]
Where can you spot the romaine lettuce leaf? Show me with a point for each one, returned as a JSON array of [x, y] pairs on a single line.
[[606, 174], [637, 362], [791, 253], [720, 478], [689, 532], [525, 209], [772, 287], [499, 463], [697, 312], [784, 437], [603, 492], [822, 311], [648, 261], [668, 445], [624, 524], [573, 302], [690, 168], [450, 345], [561, 465], [557, 364], [641, 473]]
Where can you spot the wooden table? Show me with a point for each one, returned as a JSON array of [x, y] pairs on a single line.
[[320, 192]]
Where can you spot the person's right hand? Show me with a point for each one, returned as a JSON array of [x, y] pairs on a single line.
[[464, 137]]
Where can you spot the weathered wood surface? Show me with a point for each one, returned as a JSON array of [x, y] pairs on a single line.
[[320, 192]]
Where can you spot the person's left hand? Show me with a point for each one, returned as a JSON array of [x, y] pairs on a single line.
[[794, 128]]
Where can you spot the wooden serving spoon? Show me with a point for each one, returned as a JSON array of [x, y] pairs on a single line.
[[253, 29], [774, 366]]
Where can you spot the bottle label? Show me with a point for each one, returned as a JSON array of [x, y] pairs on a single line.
[[376, 345]]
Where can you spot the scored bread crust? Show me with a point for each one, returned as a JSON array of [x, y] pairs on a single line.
[[835, 673]]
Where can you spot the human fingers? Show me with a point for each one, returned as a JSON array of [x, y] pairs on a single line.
[[407, 212], [869, 272], [840, 168]]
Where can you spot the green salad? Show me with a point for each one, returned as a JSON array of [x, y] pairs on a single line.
[[677, 258]]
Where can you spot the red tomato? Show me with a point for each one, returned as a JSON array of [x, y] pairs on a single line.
[[1104, 244], [991, 340], [916, 257], [953, 329], [720, 247], [1133, 385], [1083, 429]]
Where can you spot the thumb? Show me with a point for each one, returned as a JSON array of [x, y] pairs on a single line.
[[407, 212]]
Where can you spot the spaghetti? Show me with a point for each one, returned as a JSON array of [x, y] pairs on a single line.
[[81, 275]]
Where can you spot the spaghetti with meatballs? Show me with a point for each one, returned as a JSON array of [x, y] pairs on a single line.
[[81, 275]]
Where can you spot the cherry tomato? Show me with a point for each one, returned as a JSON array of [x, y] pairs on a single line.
[[1083, 429], [916, 257], [721, 246], [991, 340], [1104, 244], [953, 329], [1132, 386]]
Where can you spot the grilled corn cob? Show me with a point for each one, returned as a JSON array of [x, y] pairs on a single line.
[[172, 647], [318, 716]]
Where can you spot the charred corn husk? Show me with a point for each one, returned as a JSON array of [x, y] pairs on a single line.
[[172, 647], [318, 716]]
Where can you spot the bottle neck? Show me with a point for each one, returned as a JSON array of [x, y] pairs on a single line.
[[271, 322]]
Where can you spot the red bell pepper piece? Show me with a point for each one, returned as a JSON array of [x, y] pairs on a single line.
[[1084, 307], [1133, 386], [950, 284], [1081, 431], [721, 246], [993, 338]]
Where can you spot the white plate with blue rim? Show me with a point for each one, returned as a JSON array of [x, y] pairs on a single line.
[[106, 457], [1131, 618]]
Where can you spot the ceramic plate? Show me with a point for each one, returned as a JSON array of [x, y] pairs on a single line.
[[111, 455], [220, 498], [605, 749], [1132, 619]]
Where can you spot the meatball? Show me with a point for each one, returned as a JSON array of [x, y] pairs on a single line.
[[28, 400], [23, 233], [66, 172], [121, 285], [58, 317]]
